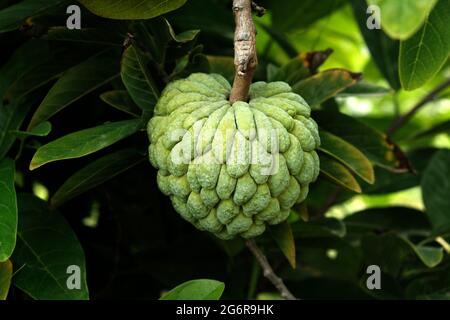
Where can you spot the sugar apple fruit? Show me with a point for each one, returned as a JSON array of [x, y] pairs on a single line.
[[232, 169]]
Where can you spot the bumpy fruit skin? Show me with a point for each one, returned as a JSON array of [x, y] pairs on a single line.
[[218, 186]]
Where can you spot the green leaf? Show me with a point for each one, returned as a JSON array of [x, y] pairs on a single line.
[[348, 155], [14, 16], [283, 236], [93, 36], [8, 209], [423, 55], [370, 141], [443, 127], [281, 39], [131, 9], [363, 89], [84, 142], [137, 78], [11, 118], [76, 83], [288, 17], [394, 219], [6, 269], [121, 100], [430, 256], [337, 173], [324, 85], [436, 190], [383, 50], [222, 65], [202, 289], [96, 173], [326, 227], [28, 56], [41, 130], [46, 247], [401, 19], [293, 71]]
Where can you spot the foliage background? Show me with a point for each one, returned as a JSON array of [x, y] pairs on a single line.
[[100, 208]]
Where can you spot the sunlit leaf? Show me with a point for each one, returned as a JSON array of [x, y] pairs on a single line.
[[346, 153], [338, 173], [424, 54], [401, 19], [324, 85]]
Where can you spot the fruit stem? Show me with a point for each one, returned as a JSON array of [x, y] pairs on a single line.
[[245, 59]]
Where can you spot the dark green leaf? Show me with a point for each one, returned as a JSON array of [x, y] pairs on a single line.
[[202, 289], [76, 83], [324, 85], [11, 118], [430, 256], [424, 54], [13, 17], [131, 9], [288, 17], [222, 65], [370, 141], [137, 78], [338, 174], [84, 142], [41, 130], [6, 269], [94, 36], [96, 173], [384, 50], [281, 40], [365, 90], [120, 99], [8, 209], [282, 234], [436, 191], [397, 219], [348, 155], [401, 19], [46, 247], [293, 71], [329, 227]]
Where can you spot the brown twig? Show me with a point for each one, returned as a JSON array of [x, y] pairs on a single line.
[[400, 121], [245, 59], [268, 271]]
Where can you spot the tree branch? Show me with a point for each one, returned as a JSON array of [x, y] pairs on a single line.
[[400, 121], [245, 59], [268, 271]]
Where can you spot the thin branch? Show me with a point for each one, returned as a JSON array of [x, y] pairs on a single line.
[[268, 271], [400, 121], [245, 59]]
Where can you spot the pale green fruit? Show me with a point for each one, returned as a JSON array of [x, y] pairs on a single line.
[[233, 169]]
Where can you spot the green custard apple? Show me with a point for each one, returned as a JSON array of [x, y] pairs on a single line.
[[233, 169]]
